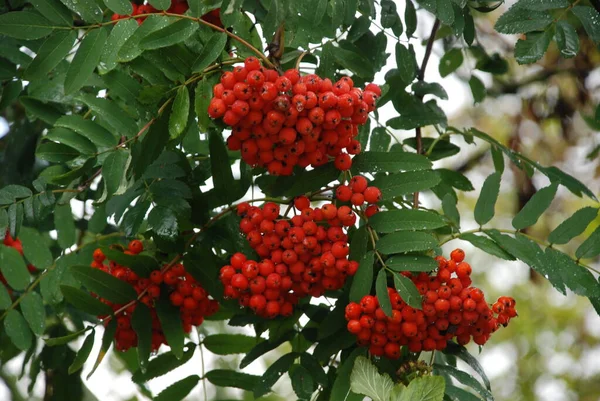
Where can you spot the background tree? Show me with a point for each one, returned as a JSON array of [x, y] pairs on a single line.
[[108, 138]]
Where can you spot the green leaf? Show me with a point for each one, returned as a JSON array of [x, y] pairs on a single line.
[[103, 284], [404, 241], [56, 152], [163, 222], [85, 60], [54, 11], [141, 264], [141, 322], [178, 390], [88, 10], [52, 342], [17, 330], [63, 221], [115, 116], [410, 18], [541, 5], [444, 11], [406, 63], [411, 263], [179, 113], [83, 353], [122, 7], [163, 364], [231, 378], [50, 54], [406, 183], [160, 4], [407, 290], [590, 247], [427, 388], [13, 268], [589, 19], [458, 394], [272, 374], [170, 320], [202, 100], [5, 300], [534, 208], [341, 386], [84, 301], [363, 279], [477, 89], [107, 339], [67, 137], [450, 62], [11, 193], [263, 347], [382, 292], [120, 33], [576, 277], [416, 114], [573, 226], [32, 307], [227, 344], [521, 20], [450, 209], [114, 170], [405, 219], [302, 381], [486, 204], [462, 353], [210, 52], [366, 380], [354, 62], [314, 367], [465, 379], [373, 162], [15, 219], [38, 109], [96, 133], [421, 88], [26, 25], [533, 48], [487, 245], [567, 39], [170, 35], [313, 180]]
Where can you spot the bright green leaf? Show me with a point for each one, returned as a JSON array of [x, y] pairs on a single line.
[[366, 380]]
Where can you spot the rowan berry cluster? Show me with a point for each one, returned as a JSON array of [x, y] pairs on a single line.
[[16, 244], [452, 309], [184, 292], [358, 192], [302, 256], [282, 121]]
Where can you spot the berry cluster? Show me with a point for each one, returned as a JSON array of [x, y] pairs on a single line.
[[16, 244], [451, 309], [184, 292], [282, 121], [305, 255], [357, 192]]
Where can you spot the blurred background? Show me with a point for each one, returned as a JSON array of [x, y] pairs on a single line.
[[547, 112]]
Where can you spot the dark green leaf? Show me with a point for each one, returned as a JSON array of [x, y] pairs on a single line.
[[462, 353], [17, 330], [314, 367], [477, 89], [85, 60], [211, 51], [486, 204], [415, 114], [272, 374], [359, 28], [533, 209], [115, 116], [341, 386], [590, 247], [170, 320], [567, 39], [221, 169], [50, 54], [227, 344], [56, 152], [407, 290], [382, 292], [541, 5], [89, 10], [24, 25], [72, 139], [32, 307], [373, 162], [54, 11], [122, 7], [405, 219], [411, 263], [163, 222], [404, 241], [15, 219], [5, 300], [487, 245], [444, 11], [99, 135], [589, 19], [103, 284], [163, 364], [421, 89], [160, 4], [180, 112], [354, 62], [83, 353], [576, 277], [410, 18], [84, 301], [107, 339], [533, 48], [465, 379], [202, 100], [302, 382], [313, 180], [231, 378], [120, 33], [51, 342], [359, 244], [170, 35], [406, 63], [451, 61], [450, 209], [459, 394], [521, 20], [363, 279], [114, 170], [63, 221], [141, 264], [13, 268], [178, 390], [406, 183], [141, 322], [573, 226]]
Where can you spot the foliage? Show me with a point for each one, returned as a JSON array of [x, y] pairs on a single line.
[[124, 148]]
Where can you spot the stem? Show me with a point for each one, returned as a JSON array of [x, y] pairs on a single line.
[[420, 77]]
